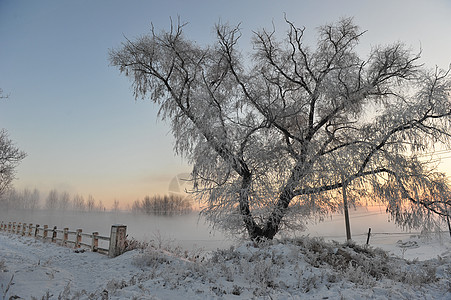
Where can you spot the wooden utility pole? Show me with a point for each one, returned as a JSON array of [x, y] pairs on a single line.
[[447, 219], [345, 207]]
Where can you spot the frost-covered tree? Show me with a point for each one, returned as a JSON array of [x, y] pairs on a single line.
[[64, 201], [90, 203], [52, 200], [10, 157], [115, 206], [78, 203], [274, 139], [100, 206]]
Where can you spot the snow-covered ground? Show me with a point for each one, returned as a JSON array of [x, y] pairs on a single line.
[[303, 268]]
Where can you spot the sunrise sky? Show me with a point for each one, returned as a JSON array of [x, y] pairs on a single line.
[[75, 115]]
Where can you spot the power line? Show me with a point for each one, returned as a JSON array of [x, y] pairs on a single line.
[[440, 158], [439, 152]]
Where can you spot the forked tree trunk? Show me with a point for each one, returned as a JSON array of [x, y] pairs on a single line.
[[254, 231], [272, 226]]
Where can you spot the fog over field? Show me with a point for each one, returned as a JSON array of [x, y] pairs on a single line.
[[192, 231]]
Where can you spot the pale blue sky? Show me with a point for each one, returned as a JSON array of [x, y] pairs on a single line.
[[75, 115]]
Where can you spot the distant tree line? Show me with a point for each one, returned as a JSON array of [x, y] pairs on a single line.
[[25, 199], [163, 205], [31, 199]]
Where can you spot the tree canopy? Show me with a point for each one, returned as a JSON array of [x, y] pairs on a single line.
[[274, 140]]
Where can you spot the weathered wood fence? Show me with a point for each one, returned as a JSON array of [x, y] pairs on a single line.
[[70, 238]]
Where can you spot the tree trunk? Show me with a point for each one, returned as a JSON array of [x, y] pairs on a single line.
[[254, 231], [273, 224]]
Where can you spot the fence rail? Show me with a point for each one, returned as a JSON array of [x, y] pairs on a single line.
[[66, 237]]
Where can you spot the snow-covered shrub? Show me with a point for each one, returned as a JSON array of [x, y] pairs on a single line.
[[310, 282], [134, 244], [265, 273], [150, 258], [418, 274], [236, 290], [221, 255], [115, 284]]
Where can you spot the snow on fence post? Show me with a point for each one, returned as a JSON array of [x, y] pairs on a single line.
[[94, 242], [30, 227], [36, 231], [44, 234], [117, 240], [54, 234], [78, 238], [24, 226], [18, 228], [65, 235]]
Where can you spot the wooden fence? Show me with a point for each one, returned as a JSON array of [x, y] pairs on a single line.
[[75, 239]]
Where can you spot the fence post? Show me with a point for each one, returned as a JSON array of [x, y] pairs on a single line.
[[30, 227], [369, 234], [18, 228], [117, 240], [14, 228], [54, 234], [9, 227], [44, 235], [36, 231], [78, 238], [94, 242], [24, 226], [65, 235]]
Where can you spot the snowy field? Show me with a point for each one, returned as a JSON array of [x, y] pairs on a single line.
[[304, 268]]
